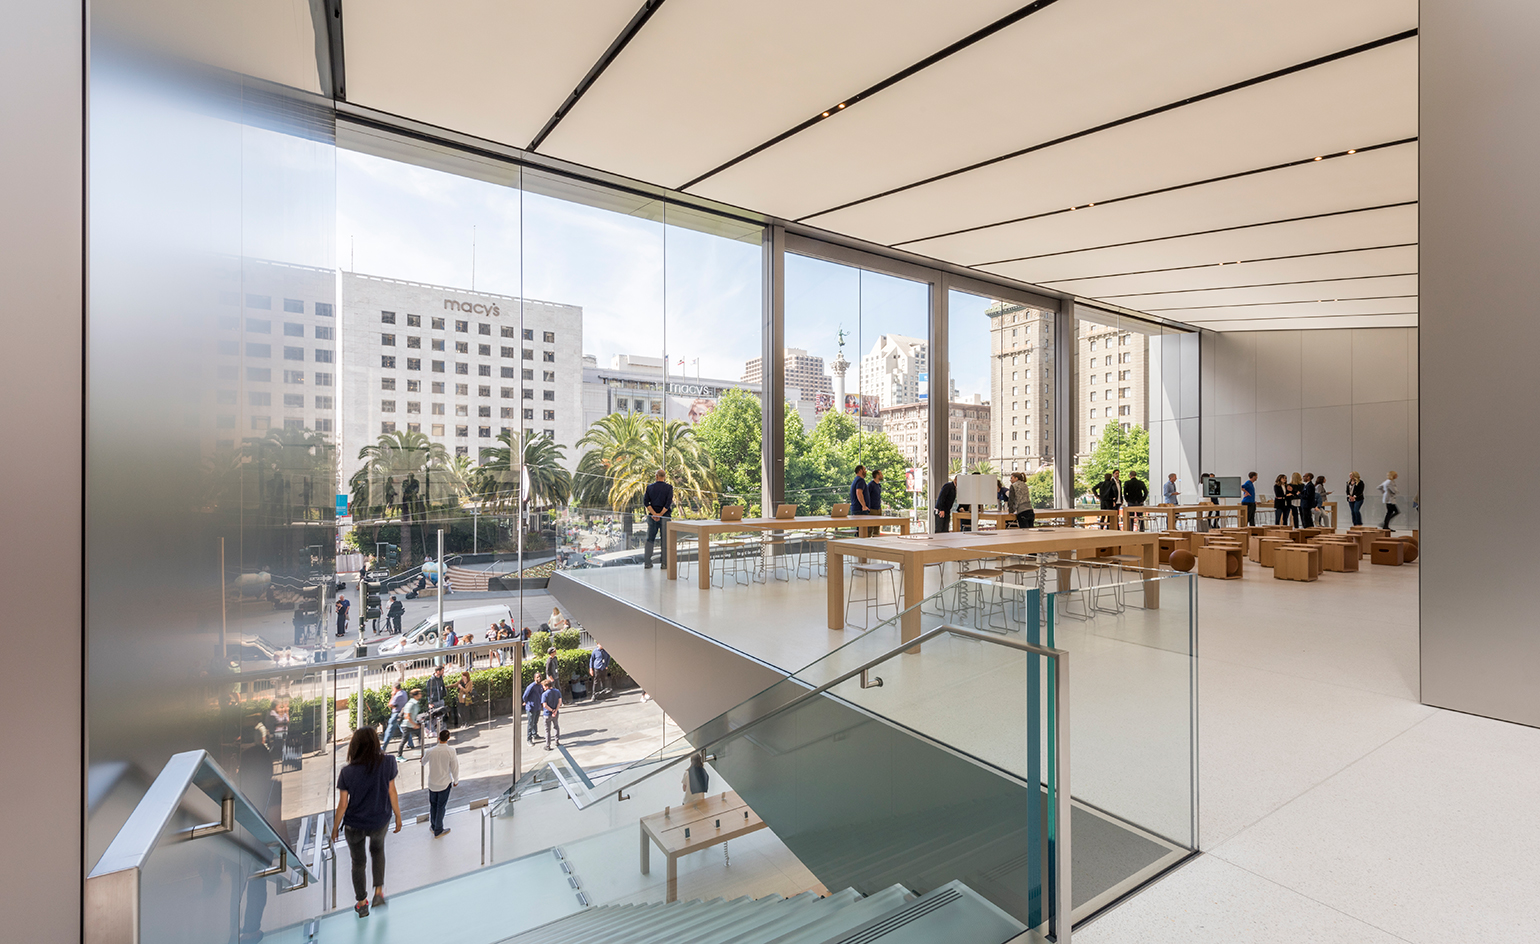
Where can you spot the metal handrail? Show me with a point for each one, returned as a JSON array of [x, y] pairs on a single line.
[[112, 887], [1061, 789]]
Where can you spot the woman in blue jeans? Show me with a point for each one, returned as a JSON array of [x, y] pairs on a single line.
[[1355, 496], [366, 798]]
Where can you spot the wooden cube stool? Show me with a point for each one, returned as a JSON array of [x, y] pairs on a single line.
[[1267, 549], [1386, 552], [1339, 556], [1297, 562], [1221, 561]]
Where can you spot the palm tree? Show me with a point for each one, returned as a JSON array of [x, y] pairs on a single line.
[[399, 456], [670, 445], [541, 460], [612, 442]]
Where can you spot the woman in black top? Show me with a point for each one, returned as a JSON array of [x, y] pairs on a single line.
[[1280, 500], [366, 797], [1355, 495]]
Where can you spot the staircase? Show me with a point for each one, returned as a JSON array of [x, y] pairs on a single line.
[[462, 578], [892, 916]]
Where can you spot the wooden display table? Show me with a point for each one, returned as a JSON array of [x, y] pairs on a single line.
[[913, 552], [1221, 561], [1297, 562], [710, 821], [1339, 556], [1387, 552], [703, 530]]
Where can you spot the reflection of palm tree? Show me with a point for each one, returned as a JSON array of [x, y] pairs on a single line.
[[284, 465], [542, 458], [402, 454]]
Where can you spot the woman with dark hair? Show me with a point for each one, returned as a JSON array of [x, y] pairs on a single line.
[[696, 780], [1281, 500], [366, 797]]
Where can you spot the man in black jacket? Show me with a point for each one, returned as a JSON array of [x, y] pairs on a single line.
[[945, 499], [393, 615], [1135, 494], [659, 499]]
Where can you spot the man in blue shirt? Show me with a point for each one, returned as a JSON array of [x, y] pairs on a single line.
[[858, 492], [599, 669], [531, 700], [659, 499], [1168, 492], [1249, 498], [550, 703], [874, 493]]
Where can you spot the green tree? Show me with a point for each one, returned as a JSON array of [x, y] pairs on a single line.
[[1041, 485], [1125, 450], [610, 443], [730, 435], [670, 445], [549, 481], [390, 474]]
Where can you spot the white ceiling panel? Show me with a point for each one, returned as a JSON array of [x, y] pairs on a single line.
[[497, 69], [706, 80], [1312, 309], [1367, 179], [1336, 265], [1323, 234], [1019, 89], [1301, 292], [1406, 319]]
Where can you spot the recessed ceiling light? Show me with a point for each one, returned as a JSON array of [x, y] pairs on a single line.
[[826, 114], [1318, 158], [1090, 204], [1353, 151], [840, 105]]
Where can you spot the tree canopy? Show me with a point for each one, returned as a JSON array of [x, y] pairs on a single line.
[[1125, 450]]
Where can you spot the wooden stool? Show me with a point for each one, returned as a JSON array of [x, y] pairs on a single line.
[[1387, 552], [1297, 562], [1167, 545], [1267, 550], [1339, 556], [1409, 548], [1221, 561]]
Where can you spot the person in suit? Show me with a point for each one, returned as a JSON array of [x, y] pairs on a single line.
[[1307, 500], [946, 497], [1355, 496], [1135, 494]]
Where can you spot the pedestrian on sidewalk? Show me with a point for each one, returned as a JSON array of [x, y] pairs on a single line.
[[550, 703], [531, 699], [464, 689], [366, 798], [393, 723], [342, 614], [393, 615], [599, 669], [552, 664], [438, 697], [411, 722], [443, 772]]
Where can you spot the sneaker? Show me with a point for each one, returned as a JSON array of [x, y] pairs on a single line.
[[647, 566], [378, 900], [362, 909]]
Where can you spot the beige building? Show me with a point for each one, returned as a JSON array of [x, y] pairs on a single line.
[[1113, 387], [908, 426], [803, 372], [1021, 380]]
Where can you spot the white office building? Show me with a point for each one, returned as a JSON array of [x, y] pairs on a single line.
[[894, 370]]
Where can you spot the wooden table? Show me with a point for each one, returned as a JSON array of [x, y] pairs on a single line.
[[710, 822], [704, 529], [913, 552], [1004, 519]]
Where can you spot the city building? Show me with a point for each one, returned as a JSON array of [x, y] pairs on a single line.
[[968, 431], [1113, 373], [455, 365], [895, 370], [803, 372], [1021, 385], [636, 384]]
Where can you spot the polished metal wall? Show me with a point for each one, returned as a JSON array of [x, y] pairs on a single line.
[[1480, 224]]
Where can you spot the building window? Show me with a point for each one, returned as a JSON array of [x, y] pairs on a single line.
[[529, 414], [259, 350], [462, 390], [438, 386], [387, 383], [230, 348], [437, 344], [550, 337], [413, 341], [529, 354], [462, 409], [292, 330], [1091, 431], [261, 422], [484, 411], [323, 424], [438, 409], [438, 324], [387, 317], [462, 431], [414, 363], [484, 329], [1093, 394], [462, 450], [548, 394], [293, 423], [484, 350], [259, 374], [1123, 392], [388, 340], [550, 415], [414, 427], [463, 327], [548, 434], [414, 321], [323, 310], [528, 394], [387, 362], [507, 393], [293, 376], [507, 372], [549, 357], [508, 332], [414, 386], [226, 421], [529, 334], [293, 353], [387, 406], [462, 368], [259, 399], [323, 332], [387, 427], [323, 403], [484, 370], [294, 305], [224, 396], [462, 347], [259, 301], [294, 401], [483, 391], [413, 406], [323, 380], [438, 367], [508, 352], [323, 355], [550, 376], [437, 429]]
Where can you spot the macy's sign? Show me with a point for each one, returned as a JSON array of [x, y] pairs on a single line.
[[475, 308]]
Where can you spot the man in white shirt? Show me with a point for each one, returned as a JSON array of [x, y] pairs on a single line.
[[443, 772]]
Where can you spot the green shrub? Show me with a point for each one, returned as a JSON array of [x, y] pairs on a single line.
[[567, 639], [539, 643]]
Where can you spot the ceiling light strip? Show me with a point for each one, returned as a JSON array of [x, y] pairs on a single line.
[[1373, 314], [1160, 190], [1233, 288], [1159, 109], [1203, 232], [1210, 265], [1009, 19], [649, 7], [1302, 301]]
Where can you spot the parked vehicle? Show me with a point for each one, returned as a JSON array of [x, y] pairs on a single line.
[[426, 635]]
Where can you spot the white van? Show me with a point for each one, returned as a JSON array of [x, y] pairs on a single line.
[[426, 635]]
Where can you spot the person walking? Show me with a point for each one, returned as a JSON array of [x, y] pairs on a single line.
[[599, 670], [531, 700], [1168, 492], [1281, 499], [874, 493], [342, 614], [1021, 501], [1388, 493], [550, 706], [1135, 494], [443, 773], [411, 723], [946, 497], [393, 615], [1355, 496], [366, 798], [857, 495], [1321, 494], [464, 697], [659, 499], [1249, 498], [393, 722]]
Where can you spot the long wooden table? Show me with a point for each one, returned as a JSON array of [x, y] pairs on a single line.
[[704, 529], [710, 821], [913, 552], [1004, 519], [1237, 511]]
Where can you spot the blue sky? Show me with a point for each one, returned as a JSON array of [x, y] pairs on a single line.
[[645, 288]]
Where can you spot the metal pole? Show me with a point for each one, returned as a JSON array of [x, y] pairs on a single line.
[[224, 649], [475, 530], [443, 584], [1062, 809]]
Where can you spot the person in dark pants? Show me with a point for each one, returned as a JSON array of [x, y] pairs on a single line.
[[599, 670], [443, 773], [1388, 492], [858, 504], [393, 615], [1109, 494], [1355, 495], [552, 664], [1249, 498], [659, 499], [1280, 500], [1020, 500], [366, 797], [531, 700], [1135, 494], [874, 494], [946, 497], [342, 614], [1307, 501], [438, 697]]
